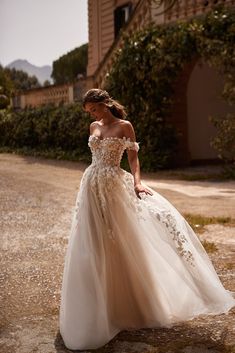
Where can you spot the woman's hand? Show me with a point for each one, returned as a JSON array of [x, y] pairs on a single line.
[[139, 188]]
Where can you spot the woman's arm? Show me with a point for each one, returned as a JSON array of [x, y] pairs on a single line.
[[133, 160]]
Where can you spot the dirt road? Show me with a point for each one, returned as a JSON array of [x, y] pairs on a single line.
[[37, 200]]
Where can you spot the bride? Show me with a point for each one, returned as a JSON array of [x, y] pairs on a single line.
[[132, 260]]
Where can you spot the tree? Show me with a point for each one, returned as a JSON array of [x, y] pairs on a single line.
[[21, 80], [46, 83], [4, 101], [12, 80], [69, 66], [6, 84]]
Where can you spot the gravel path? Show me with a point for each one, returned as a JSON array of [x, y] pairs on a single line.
[[37, 200]]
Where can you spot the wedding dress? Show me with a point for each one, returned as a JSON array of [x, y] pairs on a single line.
[[130, 263]]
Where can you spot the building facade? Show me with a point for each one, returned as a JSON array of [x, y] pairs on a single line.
[[198, 91], [109, 19], [199, 87]]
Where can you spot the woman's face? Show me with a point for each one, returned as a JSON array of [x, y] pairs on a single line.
[[96, 110]]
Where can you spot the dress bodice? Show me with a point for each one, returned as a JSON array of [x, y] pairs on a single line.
[[107, 152]]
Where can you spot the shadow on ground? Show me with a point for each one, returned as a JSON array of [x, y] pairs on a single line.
[[37, 199], [182, 338]]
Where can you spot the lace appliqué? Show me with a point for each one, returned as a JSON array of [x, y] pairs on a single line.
[[179, 238], [104, 176], [102, 185], [133, 201], [166, 218], [130, 145]]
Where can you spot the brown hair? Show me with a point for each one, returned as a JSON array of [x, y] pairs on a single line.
[[97, 95]]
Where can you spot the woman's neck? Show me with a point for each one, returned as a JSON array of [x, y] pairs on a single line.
[[108, 119]]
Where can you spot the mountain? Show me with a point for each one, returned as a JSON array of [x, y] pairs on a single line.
[[41, 72]]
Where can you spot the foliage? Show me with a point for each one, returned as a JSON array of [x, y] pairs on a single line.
[[69, 66], [146, 70], [46, 83], [6, 84], [4, 101], [21, 80], [12, 80], [143, 78], [62, 129], [224, 142]]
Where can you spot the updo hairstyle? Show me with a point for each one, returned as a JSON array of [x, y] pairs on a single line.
[[97, 95]]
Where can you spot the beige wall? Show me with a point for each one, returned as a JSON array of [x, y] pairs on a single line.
[[101, 30], [45, 95], [54, 94], [203, 100]]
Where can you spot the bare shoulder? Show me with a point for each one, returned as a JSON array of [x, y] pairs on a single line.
[[128, 129], [93, 126], [126, 124]]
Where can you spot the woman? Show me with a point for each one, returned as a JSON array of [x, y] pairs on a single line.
[[132, 260]]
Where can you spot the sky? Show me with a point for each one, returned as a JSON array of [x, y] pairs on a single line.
[[40, 31]]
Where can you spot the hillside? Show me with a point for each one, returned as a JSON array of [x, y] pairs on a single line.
[[41, 72]]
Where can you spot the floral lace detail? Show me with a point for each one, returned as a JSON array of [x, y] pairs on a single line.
[[178, 237], [105, 176], [166, 218], [106, 179], [103, 182], [109, 150], [134, 202], [130, 145]]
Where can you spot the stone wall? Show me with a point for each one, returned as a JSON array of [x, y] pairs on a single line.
[[55, 94]]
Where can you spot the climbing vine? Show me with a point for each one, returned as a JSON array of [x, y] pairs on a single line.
[[147, 67], [143, 78]]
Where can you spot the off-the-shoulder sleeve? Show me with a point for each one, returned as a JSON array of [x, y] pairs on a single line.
[[131, 145]]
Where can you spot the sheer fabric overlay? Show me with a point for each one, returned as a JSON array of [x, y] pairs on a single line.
[[130, 263]]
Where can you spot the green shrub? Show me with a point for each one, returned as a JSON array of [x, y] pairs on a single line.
[[63, 129], [4, 101], [146, 70], [143, 78]]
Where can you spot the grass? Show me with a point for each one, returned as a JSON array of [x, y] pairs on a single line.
[[210, 247], [198, 222]]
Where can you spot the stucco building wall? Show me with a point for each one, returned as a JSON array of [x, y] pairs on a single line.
[[101, 29]]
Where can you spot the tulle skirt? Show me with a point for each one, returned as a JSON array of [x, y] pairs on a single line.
[[131, 263]]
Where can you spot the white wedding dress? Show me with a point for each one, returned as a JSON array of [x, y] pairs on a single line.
[[130, 263]]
